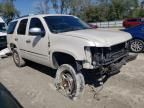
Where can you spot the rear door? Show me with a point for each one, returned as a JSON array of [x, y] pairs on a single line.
[[21, 35]]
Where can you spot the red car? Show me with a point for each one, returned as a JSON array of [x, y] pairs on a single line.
[[93, 26], [133, 22]]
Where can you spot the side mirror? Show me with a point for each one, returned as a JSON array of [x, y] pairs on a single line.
[[37, 32]]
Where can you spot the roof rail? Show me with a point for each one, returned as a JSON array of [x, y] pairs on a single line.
[[24, 16]]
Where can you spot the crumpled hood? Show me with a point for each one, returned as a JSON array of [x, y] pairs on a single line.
[[3, 34], [102, 38]]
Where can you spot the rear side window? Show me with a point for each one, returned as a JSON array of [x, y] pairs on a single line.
[[22, 27], [11, 27]]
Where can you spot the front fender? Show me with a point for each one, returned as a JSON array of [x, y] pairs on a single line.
[[70, 45], [77, 55]]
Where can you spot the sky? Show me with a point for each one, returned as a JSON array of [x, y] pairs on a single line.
[[27, 6]]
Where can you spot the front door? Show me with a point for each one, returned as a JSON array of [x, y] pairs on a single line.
[[37, 45]]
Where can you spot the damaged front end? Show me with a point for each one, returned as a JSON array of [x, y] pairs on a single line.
[[109, 59]]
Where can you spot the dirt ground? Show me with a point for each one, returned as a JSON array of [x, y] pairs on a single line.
[[33, 87]]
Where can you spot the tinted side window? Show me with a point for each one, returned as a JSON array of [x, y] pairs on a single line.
[[11, 27], [22, 27], [36, 23], [133, 20]]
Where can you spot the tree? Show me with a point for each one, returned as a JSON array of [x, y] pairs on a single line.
[[0, 9], [91, 14], [61, 6], [106, 10], [139, 12], [93, 10], [8, 10], [74, 7], [42, 7], [118, 7], [77, 7]]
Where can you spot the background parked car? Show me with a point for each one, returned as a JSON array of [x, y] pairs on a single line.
[[137, 44], [3, 41], [93, 26], [133, 22]]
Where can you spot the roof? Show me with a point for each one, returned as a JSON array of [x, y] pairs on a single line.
[[41, 15]]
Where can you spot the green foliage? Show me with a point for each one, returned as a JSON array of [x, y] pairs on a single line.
[[106, 10], [139, 12], [98, 10], [8, 10], [91, 14], [74, 7], [61, 6]]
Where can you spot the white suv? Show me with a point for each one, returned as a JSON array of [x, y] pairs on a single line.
[[3, 41], [66, 43]]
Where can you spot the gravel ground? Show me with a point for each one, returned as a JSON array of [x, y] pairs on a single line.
[[33, 87]]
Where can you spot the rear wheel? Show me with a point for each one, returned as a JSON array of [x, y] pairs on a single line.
[[68, 82], [18, 60], [137, 46]]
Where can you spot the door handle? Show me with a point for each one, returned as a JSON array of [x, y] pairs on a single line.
[[16, 39], [28, 41]]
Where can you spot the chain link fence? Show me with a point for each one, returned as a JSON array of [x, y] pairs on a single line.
[[109, 24]]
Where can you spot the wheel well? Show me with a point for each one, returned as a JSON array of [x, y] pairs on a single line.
[[12, 46], [63, 58], [138, 39]]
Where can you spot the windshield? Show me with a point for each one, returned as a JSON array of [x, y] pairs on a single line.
[[2, 27], [58, 24]]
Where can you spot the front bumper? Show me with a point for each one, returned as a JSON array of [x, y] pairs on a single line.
[[110, 69], [115, 67], [107, 56]]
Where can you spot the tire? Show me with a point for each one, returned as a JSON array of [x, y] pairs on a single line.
[[18, 60], [137, 46], [69, 82]]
